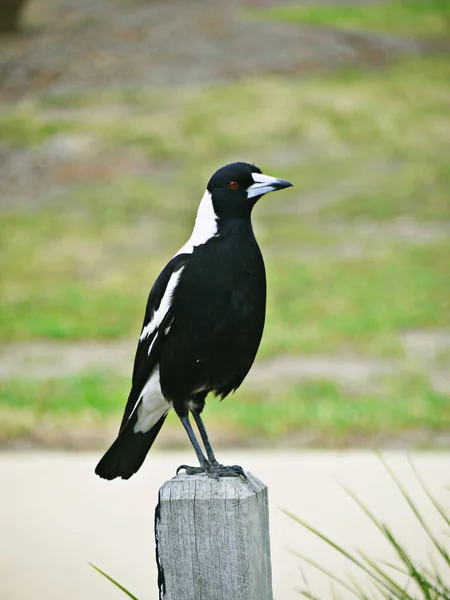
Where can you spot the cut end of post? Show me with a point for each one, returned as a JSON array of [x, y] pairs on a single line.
[[241, 486]]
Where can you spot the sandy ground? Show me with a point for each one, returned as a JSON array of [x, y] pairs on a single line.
[[56, 516]]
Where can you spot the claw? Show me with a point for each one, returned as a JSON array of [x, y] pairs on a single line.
[[212, 473], [181, 467], [190, 470], [239, 470], [226, 471], [213, 470]]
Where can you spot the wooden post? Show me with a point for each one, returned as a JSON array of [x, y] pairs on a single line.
[[212, 539]]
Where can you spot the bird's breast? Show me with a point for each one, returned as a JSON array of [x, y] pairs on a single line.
[[219, 312]]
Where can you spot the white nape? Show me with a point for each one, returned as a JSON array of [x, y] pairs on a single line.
[[164, 306], [205, 225], [151, 405]]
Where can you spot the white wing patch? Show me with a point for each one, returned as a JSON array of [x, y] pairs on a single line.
[[151, 405], [163, 308], [205, 225]]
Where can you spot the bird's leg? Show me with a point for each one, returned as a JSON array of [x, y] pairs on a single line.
[[221, 470], [206, 442], [205, 466]]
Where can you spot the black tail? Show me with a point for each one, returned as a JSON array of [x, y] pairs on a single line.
[[128, 452]]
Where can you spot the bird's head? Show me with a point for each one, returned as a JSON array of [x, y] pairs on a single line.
[[237, 187]]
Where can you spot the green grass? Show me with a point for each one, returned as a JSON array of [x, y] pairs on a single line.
[[361, 305], [336, 416], [84, 279], [321, 305], [102, 393], [359, 146], [422, 18], [24, 128], [405, 190], [349, 118], [405, 578]]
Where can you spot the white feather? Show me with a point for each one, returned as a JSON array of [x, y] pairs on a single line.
[[163, 308], [151, 404], [205, 225]]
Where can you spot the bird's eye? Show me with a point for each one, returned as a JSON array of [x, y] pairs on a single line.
[[233, 185]]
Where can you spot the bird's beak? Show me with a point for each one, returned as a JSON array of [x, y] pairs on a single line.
[[265, 184]]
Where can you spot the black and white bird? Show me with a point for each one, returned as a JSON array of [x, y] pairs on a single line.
[[203, 324]]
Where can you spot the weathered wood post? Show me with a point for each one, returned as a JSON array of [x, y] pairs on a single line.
[[212, 539]]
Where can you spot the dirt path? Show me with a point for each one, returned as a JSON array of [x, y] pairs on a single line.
[[72, 44], [46, 359]]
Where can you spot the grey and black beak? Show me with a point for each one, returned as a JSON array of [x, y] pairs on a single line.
[[265, 184]]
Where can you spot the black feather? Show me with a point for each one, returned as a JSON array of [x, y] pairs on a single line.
[[128, 452], [203, 321]]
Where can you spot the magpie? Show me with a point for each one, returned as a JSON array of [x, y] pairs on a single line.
[[203, 324]]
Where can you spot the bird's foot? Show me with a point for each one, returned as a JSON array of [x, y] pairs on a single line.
[[213, 469], [191, 470], [227, 471], [205, 468]]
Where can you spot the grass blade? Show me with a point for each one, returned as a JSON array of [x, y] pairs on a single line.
[[416, 512], [308, 594], [416, 572], [129, 594], [397, 591], [325, 572], [390, 584], [433, 500], [358, 586]]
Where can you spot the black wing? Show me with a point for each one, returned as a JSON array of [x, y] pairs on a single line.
[[157, 321]]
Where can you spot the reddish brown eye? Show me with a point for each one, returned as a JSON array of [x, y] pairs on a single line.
[[233, 185]]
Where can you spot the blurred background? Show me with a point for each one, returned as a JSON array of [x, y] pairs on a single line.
[[114, 114]]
